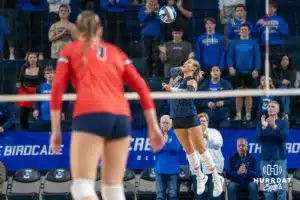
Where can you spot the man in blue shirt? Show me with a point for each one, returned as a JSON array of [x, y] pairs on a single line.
[[244, 62], [272, 134], [7, 117], [241, 171], [210, 48], [167, 166]]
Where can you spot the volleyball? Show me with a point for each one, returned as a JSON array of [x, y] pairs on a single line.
[[167, 14]]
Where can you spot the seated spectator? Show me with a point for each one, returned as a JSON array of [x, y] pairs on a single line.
[[174, 52], [167, 166], [7, 117], [284, 76], [61, 32], [3, 33], [210, 48], [227, 9], [54, 6], [263, 101], [272, 134], [41, 111], [278, 28], [244, 62], [214, 142], [152, 34], [233, 27], [241, 171], [218, 110]]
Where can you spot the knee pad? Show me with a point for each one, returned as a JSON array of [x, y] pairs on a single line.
[[194, 160], [82, 188], [112, 192]]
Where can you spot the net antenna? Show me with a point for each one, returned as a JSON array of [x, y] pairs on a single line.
[[267, 55]]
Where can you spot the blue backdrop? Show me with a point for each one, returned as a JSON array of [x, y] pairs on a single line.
[[25, 149]]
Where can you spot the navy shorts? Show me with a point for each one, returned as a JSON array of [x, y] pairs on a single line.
[[106, 125], [185, 122]]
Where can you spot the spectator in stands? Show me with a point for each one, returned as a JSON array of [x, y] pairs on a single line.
[[32, 17], [151, 34], [41, 111], [278, 29], [115, 21], [241, 171], [263, 101], [214, 143], [31, 76], [284, 76], [227, 9], [3, 33], [174, 52], [9, 8], [218, 110], [7, 117], [61, 32], [233, 26], [244, 62], [54, 8], [272, 134], [183, 9], [210, 47], [167, 166]]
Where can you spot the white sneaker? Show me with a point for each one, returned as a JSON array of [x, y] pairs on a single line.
[[218, 186], [238, 117], [201, 182]]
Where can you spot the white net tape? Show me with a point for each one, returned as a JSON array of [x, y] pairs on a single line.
[[167, 95]]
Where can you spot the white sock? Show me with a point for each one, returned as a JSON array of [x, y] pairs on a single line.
[[194, 162], [112, 192], [215, 173], [207, 159]]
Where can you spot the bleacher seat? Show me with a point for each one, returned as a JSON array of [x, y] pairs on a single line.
[[296, 185], [185, 184], [25, 185], [57, 185], [130, 184], [146, 185]]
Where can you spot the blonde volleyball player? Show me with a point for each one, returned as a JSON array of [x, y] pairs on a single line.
[[187, 128], [101, 118]]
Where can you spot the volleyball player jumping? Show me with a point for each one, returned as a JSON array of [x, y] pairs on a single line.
[[188, 130], [101, 118]]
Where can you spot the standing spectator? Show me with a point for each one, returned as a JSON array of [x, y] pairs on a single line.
[[233, 26], [167, 166], [218, 110], [7, 117], [284, 76], [244, 62], [31, 76], [278, 29], [115, 21], [272, 134], [54, 8], [61, 32], [151, 34], [174, 52], [214, 143], [227, 9], [210, 47], [3, 33], [183, 9], [242, 169], [32, 17]]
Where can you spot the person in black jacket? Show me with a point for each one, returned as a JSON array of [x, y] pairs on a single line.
[[284, 76], [218, 110]]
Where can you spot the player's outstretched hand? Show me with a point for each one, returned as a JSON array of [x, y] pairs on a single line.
[[55, 142], [156, 137]]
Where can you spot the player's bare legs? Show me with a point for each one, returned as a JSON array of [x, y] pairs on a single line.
[[193, 158], [86, 150], [115, 154], [197, 138]]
